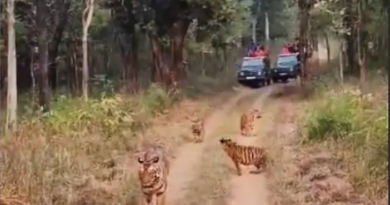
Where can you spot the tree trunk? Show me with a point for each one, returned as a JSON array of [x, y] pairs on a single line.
[[44, 90], [327, 47], [341, 62], [160, 68], [55, 44], [224, 58], [12, 72], [4, 50], [34, 67], [350, 38], [86, 20], [362, 48], [179, 33], [302, 36], [202, 64], [130, 61], [85, 78]]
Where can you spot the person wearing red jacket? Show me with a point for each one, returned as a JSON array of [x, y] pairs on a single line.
[[285, 50], [265, 50], [259, 53]]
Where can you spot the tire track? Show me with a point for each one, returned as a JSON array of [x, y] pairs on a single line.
[[184, 168], [251, 189]]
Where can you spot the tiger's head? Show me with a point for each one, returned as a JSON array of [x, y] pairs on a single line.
[[227, 144], [224, 141], [256, 113], [197, 124], [150, 161]]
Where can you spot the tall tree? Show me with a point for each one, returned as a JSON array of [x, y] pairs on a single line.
[[3, 50], [86, 18], [43, 35], [11, 62]]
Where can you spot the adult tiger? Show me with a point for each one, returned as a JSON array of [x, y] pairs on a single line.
[[245, 155], [153, 173]]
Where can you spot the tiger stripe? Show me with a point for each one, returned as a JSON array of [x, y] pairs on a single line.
[[245, 155]]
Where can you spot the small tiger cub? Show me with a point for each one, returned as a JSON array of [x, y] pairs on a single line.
[[153, 173], [247, 122], [245, 155], [197, 129]]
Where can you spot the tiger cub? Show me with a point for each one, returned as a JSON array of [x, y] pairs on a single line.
[[198, 130], [153, 173], [245, 155], [247, 122]]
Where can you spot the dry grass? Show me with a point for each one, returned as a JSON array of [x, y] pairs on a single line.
[[82, 154], [355, 128], [310, 174], [345, 160]]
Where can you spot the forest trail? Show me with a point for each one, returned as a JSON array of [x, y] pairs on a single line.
[[205, 175], [251, 189], [185, 166]]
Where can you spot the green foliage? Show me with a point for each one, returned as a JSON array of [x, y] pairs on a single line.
[[53, 154], [281, 19], [333, 118], [156, 98], [358, 124]]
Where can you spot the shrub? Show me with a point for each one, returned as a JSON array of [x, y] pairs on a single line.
[[51, 159], [331, 118], [358, 124]]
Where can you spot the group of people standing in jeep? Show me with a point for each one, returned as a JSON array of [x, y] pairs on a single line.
[[258, 50], [262, 51]]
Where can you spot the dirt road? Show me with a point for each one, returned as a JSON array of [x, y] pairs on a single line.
[[202, 174], [185, 166]]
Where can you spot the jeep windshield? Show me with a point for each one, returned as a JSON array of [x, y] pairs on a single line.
[[288, 60], [252, 64]]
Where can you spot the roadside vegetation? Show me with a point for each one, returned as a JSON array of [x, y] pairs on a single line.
[[74, 117], [85, 83], [348, 112], [355, 127]]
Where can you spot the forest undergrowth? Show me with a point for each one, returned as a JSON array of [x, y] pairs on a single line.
[[353, 126], [59, 159]]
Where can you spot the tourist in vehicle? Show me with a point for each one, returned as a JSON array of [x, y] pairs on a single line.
[[285, 50], [259, 53], [252, 48], [265, 50], [252, 53]]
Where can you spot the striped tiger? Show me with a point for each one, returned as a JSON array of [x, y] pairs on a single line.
[[247, 122], [153, 173], [245, 155], [198, 130]]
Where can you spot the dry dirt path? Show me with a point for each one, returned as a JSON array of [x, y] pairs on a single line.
[[214, 180], [184, 168], [251, 189]]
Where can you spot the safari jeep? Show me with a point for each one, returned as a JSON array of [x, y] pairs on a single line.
[[254, 72], [287, 67]]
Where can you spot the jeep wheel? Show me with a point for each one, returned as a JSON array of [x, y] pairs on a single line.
[[268, 81], [275, 80], [285, 80]]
